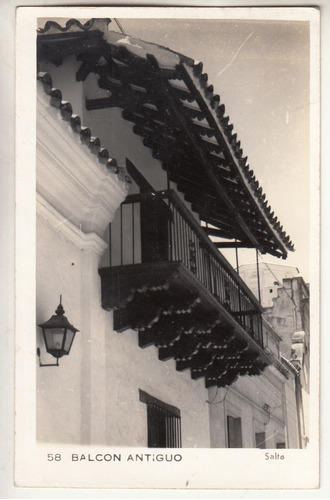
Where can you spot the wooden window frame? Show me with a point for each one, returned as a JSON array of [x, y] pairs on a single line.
[[237, 440], [262, 444]]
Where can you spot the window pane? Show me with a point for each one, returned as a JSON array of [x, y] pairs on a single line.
[[261, 440], [234, 428], [54, 338]]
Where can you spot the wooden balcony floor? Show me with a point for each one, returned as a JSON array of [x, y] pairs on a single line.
[[172, 310]]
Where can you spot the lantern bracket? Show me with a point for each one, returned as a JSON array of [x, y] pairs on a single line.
[[46, 364]]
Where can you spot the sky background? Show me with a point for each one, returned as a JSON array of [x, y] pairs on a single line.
[[261, 70]]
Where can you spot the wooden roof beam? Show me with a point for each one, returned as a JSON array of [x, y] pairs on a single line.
[[232, 244], [227, 144], [223, 195]]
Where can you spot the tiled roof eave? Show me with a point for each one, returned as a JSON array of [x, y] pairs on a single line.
[[275, 241], [216, 114], [86, 137], [74, 25]]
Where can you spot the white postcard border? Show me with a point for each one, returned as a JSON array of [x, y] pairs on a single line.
[[32, 469]]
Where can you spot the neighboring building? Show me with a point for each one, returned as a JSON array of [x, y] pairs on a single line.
[[137, 165], [289, 314], [257, 411], [270, 279]]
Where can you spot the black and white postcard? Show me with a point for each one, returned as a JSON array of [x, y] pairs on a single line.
[[167, 205]]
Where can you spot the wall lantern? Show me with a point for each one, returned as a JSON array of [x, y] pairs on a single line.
[[58, 335]]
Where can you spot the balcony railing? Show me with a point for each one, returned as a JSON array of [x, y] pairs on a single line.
[[155, 227]]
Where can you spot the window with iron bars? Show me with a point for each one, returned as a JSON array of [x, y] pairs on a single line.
[[164, 423]]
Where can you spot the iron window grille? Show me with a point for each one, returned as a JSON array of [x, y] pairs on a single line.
[[164, 423]]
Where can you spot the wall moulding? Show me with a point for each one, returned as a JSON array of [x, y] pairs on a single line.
[[84, 241], [88, 195]]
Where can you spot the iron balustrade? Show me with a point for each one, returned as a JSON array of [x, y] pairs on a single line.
[[158, 226]]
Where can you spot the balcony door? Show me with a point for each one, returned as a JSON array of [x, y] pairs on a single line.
[[156, 217]]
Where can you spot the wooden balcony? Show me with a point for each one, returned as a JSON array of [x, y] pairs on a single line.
[[169, 282]]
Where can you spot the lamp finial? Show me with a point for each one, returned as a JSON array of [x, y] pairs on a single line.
[[60, 311]]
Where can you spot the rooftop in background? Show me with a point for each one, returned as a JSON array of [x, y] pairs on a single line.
[[271, 278]]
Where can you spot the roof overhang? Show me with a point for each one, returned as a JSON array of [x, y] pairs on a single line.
[[173, 108]]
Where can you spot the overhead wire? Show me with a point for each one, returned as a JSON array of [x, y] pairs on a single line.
[[276, 278], [213, 402], [119, 26]]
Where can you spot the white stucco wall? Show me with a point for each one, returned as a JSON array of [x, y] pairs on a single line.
[[93, 396], [245, 399], [130, 368], [58, 388]]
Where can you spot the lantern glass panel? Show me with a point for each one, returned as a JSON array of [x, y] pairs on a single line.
[[68, 340], [54, 338]]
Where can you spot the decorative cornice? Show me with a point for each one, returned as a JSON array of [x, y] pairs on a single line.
[[62, 225]]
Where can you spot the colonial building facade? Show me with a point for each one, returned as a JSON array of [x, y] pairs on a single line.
[[285, 297], [137, 167]]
